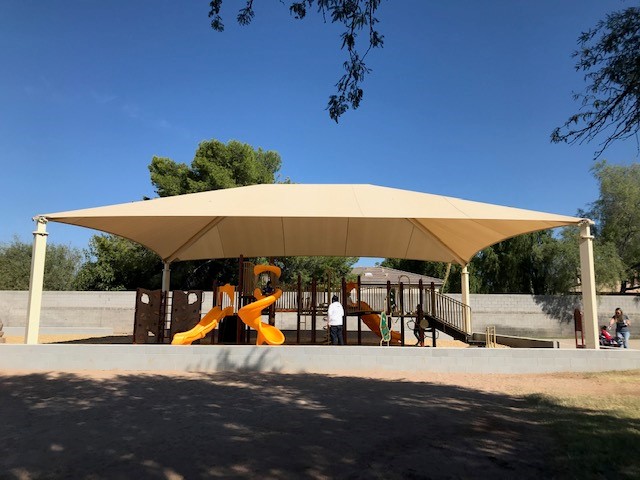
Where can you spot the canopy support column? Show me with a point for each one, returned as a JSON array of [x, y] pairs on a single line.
[[36, 281], [466, 298], [166, 277], [587, 274]]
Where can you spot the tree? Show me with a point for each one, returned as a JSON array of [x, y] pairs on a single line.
[[315, 267], [215, 166], [114, 263], [609, 55], [617, 214], [538, 263], [61, 265], [355, 16], [431, 269]]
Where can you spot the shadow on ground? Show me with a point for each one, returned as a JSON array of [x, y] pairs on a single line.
[[248, 425]]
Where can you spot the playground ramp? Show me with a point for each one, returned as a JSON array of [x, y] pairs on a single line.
[[206, 324], [251, 315]]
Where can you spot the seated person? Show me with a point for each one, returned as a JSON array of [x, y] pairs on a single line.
[[606, 339]]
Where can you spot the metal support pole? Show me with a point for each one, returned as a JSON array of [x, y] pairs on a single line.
[[343, 288], [434, 312], [299, 310], [466, 299], [166, 277], [36, 281], [358, 300], [420, 313], [401, 291], [314, 310], [587, 274]]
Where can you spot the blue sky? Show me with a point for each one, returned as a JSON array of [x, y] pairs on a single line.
[[461, 101]]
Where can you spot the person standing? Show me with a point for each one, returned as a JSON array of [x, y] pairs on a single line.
[[622, 326], [335, 314]]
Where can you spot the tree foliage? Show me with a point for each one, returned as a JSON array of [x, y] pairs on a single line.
[[62, 263], [609, 56], [617, 213], [315, 267], [538, 263], [114, 263], [215, 166], [355, 16]]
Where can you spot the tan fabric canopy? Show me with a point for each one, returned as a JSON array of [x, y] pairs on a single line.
[[292, 219]]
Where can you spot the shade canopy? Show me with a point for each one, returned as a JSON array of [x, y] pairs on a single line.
[[278, 220]]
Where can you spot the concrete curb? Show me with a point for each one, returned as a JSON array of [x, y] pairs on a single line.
[[363, 360]]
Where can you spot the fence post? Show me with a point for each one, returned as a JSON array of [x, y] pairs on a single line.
[[314, 300]]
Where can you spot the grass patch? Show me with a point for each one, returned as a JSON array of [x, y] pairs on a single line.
[[596, 436]]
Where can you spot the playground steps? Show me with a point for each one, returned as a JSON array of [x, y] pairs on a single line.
[[447, 328]]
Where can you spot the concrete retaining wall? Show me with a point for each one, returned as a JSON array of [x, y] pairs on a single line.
[[362, 361], [113, 312]]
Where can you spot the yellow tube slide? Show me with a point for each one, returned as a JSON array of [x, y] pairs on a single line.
[[251, 314], [206, 324]]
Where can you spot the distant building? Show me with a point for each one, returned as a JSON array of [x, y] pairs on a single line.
[[380, 275]]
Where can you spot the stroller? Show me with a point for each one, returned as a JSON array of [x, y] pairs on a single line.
[[606, 340]]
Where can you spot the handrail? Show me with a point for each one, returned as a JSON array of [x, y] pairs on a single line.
[[446, 309]]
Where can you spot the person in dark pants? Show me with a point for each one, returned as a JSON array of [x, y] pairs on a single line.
[[334, 318], [621, 321]]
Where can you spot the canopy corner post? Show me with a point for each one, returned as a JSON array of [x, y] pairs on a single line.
[[588, 285], [36, 281], [465, 297]]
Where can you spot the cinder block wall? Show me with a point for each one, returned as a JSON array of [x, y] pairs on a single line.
[[523, 315], [544, 316]]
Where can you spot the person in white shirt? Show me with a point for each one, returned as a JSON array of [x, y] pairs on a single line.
[[334, 318]]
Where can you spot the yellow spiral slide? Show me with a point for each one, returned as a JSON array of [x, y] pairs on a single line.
[[251, 314]]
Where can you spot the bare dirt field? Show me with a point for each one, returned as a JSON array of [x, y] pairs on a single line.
[[125, 425]]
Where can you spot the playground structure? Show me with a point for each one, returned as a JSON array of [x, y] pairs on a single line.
[[250, 313], [387, 310]]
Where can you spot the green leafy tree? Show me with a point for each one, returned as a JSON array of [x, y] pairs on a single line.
[[609, 56], [431, 269], [61, 265], [315, 267], [617, 214], [538, 263], [214, 167], [114, 263], [356, 16]]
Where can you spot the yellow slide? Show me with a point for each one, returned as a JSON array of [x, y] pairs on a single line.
[[372, 320], [206, 324], [251, 314]]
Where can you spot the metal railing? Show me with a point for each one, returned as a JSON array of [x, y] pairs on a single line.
[[447, 310], [442, 307]]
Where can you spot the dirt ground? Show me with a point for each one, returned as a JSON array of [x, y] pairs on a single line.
[[125, 425]]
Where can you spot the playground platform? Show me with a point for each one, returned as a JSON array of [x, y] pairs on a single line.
[[369, 361]]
